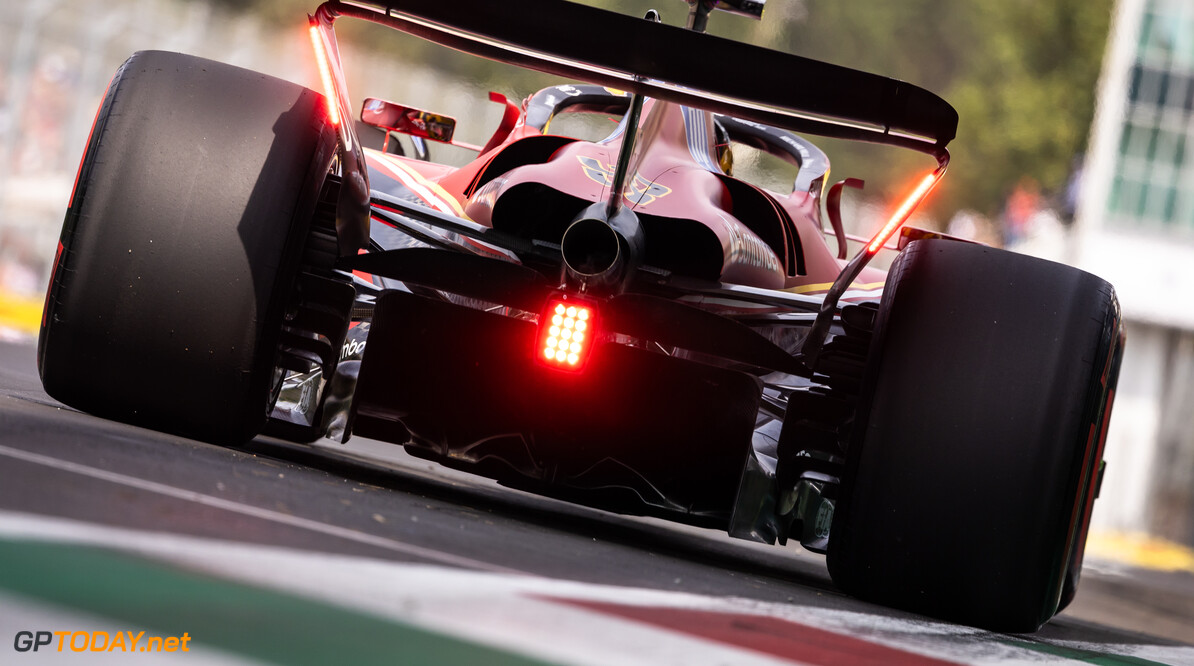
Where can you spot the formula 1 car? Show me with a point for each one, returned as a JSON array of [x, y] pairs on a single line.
[[618, 322]]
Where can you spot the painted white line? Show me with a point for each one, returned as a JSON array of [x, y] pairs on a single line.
[[510, 609], [498, 610], [516, 612], [255, 511]]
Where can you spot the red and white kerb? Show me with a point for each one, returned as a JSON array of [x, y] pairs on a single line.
[[566, 333]]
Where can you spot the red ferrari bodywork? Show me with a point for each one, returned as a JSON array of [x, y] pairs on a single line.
[[713, 228]]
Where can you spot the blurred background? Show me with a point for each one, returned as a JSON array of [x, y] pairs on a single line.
[[1077, 117]]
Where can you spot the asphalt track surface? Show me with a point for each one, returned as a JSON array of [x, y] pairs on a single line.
[[283, 553]]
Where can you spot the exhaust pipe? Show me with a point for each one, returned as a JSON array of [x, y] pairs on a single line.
[[591, 249], [597, 251]]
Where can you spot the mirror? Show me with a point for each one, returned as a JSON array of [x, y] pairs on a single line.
[[406, 120]]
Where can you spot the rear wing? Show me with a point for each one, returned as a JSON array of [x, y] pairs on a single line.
[[671, 63]]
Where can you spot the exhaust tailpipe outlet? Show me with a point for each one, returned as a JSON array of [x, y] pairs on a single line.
[[592, 251]]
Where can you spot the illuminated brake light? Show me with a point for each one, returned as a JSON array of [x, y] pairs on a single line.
[[325, 75], [905, 209], [565, 337]]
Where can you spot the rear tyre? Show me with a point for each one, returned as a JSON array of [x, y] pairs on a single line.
[[181, 244], [973, 458]]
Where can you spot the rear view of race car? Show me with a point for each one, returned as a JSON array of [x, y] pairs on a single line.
[[619, 322]]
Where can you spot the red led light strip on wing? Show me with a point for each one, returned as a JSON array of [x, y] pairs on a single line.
[[325, 75], [922, 190]]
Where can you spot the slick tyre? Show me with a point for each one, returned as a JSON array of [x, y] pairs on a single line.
[[972, 464], [181, 245]]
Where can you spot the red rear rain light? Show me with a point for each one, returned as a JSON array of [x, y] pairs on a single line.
[[567, 330], [325, 75], [922, 190]]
